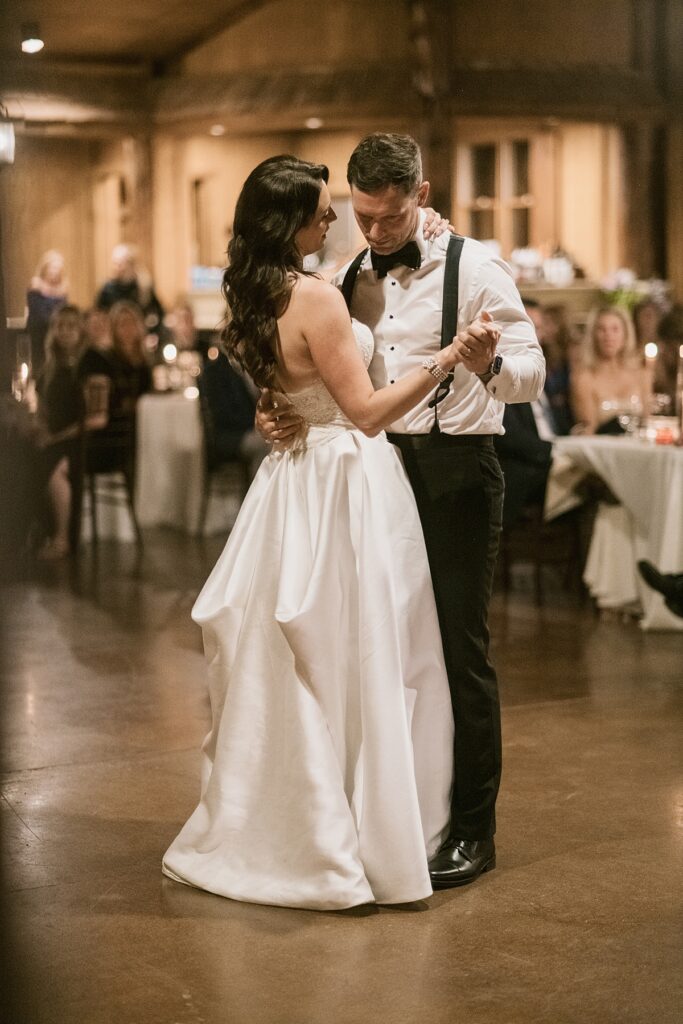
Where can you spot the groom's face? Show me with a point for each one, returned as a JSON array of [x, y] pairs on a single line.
[[388, 218]]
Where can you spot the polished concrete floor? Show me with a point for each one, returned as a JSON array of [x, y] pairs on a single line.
[[104, 710]]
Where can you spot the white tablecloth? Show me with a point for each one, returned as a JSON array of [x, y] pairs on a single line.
[[648, 481], [170, 468]]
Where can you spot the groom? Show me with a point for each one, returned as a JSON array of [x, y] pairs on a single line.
[[448, 450]]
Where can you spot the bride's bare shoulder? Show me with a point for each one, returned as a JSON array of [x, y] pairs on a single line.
[[314, 293], [314, 289]]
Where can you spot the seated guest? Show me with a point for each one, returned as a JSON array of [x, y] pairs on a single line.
[[60, 412], [611, 379], [180, 322], [228, 407], [555, 338], [646, 316], [124, 374], [48, 291], [668, 354], [186, 335], [97, 329], [525, 454], [559, 336], [130, 283]]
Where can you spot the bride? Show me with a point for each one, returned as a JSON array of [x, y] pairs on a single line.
[[327, 771]]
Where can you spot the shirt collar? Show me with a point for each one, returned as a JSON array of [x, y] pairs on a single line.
[[423, 245]]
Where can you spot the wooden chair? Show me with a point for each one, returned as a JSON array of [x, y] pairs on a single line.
[[106, 452], [221, 476], [112, 494], [560, 542]]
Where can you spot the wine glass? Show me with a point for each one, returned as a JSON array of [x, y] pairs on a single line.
[[629, 415]]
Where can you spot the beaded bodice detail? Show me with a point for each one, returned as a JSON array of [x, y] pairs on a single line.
[[315, 404]]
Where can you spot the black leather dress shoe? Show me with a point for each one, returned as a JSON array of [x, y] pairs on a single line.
[[669, 585], [461, 861]]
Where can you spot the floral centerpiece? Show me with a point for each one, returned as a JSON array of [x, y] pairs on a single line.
[[622, 288]]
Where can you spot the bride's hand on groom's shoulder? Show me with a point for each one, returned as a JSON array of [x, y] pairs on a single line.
[[435, 224], [275, 420]]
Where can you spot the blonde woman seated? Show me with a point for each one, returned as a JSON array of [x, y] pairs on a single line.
[[610, 383]]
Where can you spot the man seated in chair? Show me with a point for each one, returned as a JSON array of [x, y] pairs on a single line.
[[525, 452], [228, 407]]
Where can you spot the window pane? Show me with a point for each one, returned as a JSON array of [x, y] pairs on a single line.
[[520, 167], [520, 228], [484, 171], [481, 223]]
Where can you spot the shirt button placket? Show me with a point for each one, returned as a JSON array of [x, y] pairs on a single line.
[[392, 348]]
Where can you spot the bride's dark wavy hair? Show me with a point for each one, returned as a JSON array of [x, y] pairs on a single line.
[[279, 197]]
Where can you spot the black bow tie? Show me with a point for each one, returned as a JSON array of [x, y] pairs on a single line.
[[408, 256]]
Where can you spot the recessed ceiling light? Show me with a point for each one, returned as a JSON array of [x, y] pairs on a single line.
[[313, 122], [217, 129], [30, 37]]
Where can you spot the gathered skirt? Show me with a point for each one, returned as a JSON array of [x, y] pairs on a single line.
[[327, 771]]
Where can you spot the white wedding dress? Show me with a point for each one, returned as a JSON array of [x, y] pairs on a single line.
[[327, 771]]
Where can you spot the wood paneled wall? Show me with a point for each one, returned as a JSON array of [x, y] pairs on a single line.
[[46, 203], [590, 194], [224, 164]]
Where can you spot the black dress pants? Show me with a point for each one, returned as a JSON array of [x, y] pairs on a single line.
[[459, 487]]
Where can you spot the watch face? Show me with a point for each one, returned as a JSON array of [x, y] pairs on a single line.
[[496, 364]]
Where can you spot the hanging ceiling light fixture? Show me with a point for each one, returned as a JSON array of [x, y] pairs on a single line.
[[30, 37]]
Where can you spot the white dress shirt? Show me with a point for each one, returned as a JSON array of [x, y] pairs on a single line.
[[543, 416], [403, 310]]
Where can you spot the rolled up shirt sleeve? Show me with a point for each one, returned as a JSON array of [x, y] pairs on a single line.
[[522, 375]]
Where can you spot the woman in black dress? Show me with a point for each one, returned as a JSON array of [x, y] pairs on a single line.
[[60, 414], [121, 374]]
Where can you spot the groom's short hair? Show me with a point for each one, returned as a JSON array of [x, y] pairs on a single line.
[[383, 159]]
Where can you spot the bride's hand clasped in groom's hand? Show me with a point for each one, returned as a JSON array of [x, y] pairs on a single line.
[[476, 346], [276, 421]]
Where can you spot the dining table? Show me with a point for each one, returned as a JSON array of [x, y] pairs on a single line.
[[170, 475], [171, 470], [645, 521]]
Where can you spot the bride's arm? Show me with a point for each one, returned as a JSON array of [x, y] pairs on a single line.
[[334, 351]]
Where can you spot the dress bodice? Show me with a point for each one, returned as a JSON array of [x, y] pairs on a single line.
[[315, 404]]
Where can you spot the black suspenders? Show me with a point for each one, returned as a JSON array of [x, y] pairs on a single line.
[[451, 283], [349, 282], [449, 315]]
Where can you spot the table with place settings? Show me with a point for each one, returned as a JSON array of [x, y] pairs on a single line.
[[647, 480]]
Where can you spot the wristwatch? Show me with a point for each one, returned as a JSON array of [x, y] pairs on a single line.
[[493, 370]]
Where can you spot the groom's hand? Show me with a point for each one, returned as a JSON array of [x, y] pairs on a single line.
[[275, 420], [476, 345]]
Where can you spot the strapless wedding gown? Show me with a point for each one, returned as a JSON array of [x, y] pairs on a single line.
[[327, 771]]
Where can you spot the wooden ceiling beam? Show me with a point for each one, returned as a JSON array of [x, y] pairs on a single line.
[[236, 11], [340, 97]]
